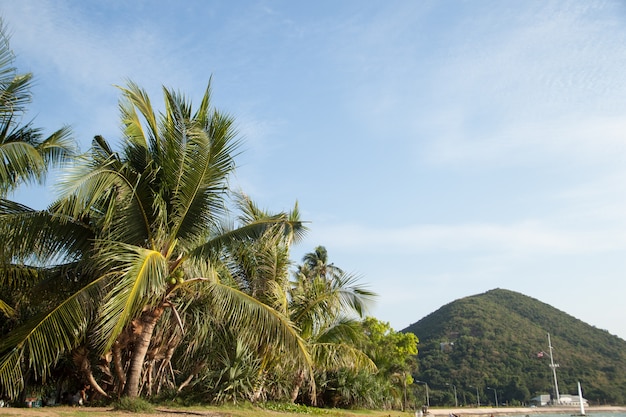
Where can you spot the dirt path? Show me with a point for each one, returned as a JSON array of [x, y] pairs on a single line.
[[63, 411]]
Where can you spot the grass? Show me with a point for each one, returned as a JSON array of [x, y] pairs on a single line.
[[134, 405], [213, 411]]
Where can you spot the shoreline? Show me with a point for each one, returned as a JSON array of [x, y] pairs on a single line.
[[499, 411]]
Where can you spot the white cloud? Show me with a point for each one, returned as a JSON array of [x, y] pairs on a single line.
[[583, 139], [523, 238], [90, 51]]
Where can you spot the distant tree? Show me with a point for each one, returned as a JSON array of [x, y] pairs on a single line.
[[394, 354], [492, 339]]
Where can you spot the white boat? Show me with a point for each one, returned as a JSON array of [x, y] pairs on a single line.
[[581, 401]]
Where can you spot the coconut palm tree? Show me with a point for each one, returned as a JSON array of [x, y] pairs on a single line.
[[316, 264], [326, 304], [144, 231]]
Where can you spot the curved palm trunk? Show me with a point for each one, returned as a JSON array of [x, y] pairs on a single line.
[[297, 385], [119, 368], [147, 322]]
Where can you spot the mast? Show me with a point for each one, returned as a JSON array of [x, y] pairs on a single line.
[[580, 400], [554, 366]]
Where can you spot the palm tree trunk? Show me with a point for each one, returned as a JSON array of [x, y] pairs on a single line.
[[147, 322], [160, 375], [296, 386], [118, 367], [85, 367], [256, 396], [193, 373]]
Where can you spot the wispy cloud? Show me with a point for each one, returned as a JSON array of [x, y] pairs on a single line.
[[522, 238], [581, 140]]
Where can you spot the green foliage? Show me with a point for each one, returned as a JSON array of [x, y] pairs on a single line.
[[295, 408], [390, 387], [236, 376], [391, 351], [134, 405], [492, 340]]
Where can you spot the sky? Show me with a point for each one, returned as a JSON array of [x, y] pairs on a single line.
[[439, 149]]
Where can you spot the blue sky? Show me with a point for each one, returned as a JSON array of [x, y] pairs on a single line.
[[439, 149]]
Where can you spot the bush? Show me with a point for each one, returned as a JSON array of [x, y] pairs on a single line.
[[134, 405]]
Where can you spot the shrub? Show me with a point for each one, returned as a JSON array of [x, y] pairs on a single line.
[[134, 405]]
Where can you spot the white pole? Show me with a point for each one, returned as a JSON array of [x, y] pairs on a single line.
[[580, 399], [554, 366]]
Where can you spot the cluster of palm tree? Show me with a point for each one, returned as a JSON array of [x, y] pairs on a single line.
[[148, 274]]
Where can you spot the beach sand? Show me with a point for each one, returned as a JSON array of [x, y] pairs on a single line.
[[501, 411]]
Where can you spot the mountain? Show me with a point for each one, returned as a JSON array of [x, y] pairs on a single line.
[[498, 339]]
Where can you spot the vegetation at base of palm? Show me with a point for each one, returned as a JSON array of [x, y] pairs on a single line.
[[493, 340], [133, 405]]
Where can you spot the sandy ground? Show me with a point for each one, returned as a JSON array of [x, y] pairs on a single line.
[[63, 411], [487, 412]]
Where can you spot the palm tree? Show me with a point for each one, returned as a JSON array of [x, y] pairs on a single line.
[[145, 231], [326, 304], [316, 263]]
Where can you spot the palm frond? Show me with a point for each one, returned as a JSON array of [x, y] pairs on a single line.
[[341, 330], [42, 339], [20, 162], [106, 190], [58, 147], [256, 322], [201, 172], [135, 98], [252, 230], [6, 309], [41, 235], [203, 114], [139, 281], [352, 295], [11, 377], [334, 356]]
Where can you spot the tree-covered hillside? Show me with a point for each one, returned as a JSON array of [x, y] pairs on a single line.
[[489, 344]]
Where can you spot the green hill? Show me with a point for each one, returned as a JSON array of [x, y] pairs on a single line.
[[493, 340]]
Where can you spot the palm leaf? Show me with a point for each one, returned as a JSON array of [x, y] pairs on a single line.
[[334, 356], [45, 337], [351, 295], [20, 161], [112, 193], [252, 230], [11, 377], [6, 309], [135, 97], [139, 281], [58, 147], [256, 322], [41, 234]]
